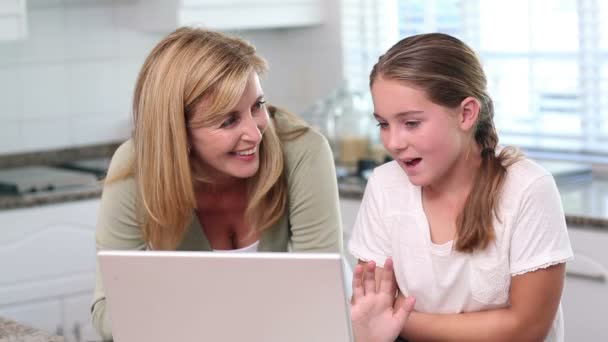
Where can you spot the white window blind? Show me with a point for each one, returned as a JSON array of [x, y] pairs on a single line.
[[546, 60]]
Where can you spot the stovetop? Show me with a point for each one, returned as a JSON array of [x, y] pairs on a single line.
[[32, 179]]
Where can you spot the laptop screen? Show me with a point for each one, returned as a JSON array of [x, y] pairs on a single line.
[[207, 296]]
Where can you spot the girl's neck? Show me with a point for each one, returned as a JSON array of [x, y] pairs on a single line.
[[457, 183]]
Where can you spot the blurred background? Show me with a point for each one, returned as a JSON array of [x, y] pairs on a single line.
[[68, 69]]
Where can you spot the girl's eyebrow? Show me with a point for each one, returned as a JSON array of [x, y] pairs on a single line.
[[400, 114]]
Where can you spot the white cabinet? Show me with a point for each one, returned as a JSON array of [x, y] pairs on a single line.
[[585, 297], [349, 208], [13, 23], [47, 258], [225, 15]]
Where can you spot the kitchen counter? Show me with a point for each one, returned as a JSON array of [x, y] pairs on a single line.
[[85, 160], [49, 197], [584, 194], [12, 331], [585, 199]]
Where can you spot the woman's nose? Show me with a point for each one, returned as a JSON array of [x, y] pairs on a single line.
[[252, 130]]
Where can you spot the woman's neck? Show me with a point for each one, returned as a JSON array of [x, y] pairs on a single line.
[[228, 186]]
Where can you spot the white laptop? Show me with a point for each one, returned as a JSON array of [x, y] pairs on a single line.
[[209, 296]]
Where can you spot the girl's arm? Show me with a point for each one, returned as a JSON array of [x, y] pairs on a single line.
[[535, 297]]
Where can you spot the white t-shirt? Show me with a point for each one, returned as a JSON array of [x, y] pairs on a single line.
[[530, 235]]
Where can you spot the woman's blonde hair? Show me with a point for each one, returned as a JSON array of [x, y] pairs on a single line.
[[449, 71], [188, 66]]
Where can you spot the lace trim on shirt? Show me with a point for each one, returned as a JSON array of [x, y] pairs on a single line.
[[543, 266]]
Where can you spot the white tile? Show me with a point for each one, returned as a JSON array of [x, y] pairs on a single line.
[[92, 88], [44, 91], [41, 4], [11, 95], [10, 53], [95, 129], [11, 140], [126, 86], [90, 33], [46, 37], [133, 43], [45, 134]]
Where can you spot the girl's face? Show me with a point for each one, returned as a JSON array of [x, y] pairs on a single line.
[[229, 149], [426, 139]]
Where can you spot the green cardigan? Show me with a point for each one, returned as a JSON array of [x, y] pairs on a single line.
[[311, 223]]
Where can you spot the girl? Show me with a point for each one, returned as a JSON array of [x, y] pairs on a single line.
[[476, 232]]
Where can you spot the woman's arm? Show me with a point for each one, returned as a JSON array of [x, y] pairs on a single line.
[[314, 210], [117, 228], [535, 297]]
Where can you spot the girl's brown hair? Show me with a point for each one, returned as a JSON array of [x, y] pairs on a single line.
[[449, 71]]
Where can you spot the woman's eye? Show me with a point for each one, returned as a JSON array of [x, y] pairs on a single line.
[[259, 104], [228, 122]]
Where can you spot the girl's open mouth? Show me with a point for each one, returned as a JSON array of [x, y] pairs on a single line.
[[413, 162]]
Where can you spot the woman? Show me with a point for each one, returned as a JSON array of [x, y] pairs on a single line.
[[476, 233], [210, 166]]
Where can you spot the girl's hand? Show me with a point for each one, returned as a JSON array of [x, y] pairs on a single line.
[[375, 315]]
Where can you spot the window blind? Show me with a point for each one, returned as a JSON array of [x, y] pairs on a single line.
[[546, 60]]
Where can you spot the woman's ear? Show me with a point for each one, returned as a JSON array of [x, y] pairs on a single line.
[[469, 113]]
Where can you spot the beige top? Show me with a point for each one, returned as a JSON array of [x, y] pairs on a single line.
[[311, 223]]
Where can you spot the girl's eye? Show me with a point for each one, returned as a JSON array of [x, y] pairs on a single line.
[[259, 104], [412, 124], [382, 125], [229, 122]]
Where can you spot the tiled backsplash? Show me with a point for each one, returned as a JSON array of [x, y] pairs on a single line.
[[70, 82]]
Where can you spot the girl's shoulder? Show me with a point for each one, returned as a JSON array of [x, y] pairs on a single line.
[[390, 176], [390, 186], [524, 172]]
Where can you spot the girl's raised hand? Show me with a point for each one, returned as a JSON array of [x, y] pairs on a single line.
[[375, 315]]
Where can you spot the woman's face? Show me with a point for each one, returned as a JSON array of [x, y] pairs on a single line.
[[229, 149]]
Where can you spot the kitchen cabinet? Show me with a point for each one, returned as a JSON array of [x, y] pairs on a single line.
[[349, 208], [47, 258], [585, 296], [225, 15], [13, 23]]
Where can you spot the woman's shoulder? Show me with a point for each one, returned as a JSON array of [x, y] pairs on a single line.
[[298, 139], [122, 160]]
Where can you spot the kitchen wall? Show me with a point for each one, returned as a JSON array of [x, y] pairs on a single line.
[[70, 82]]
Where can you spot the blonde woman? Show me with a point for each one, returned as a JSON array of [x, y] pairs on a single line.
[[210, 166]]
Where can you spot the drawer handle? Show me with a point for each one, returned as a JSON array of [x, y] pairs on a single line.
[[598, 274], [598, 278]]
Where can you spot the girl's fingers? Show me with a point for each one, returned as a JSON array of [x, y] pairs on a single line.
[[387, 280], [404, 308], [369, 279], [358, 291]]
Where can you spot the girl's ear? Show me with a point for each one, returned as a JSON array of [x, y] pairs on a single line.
[[469, 113]]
